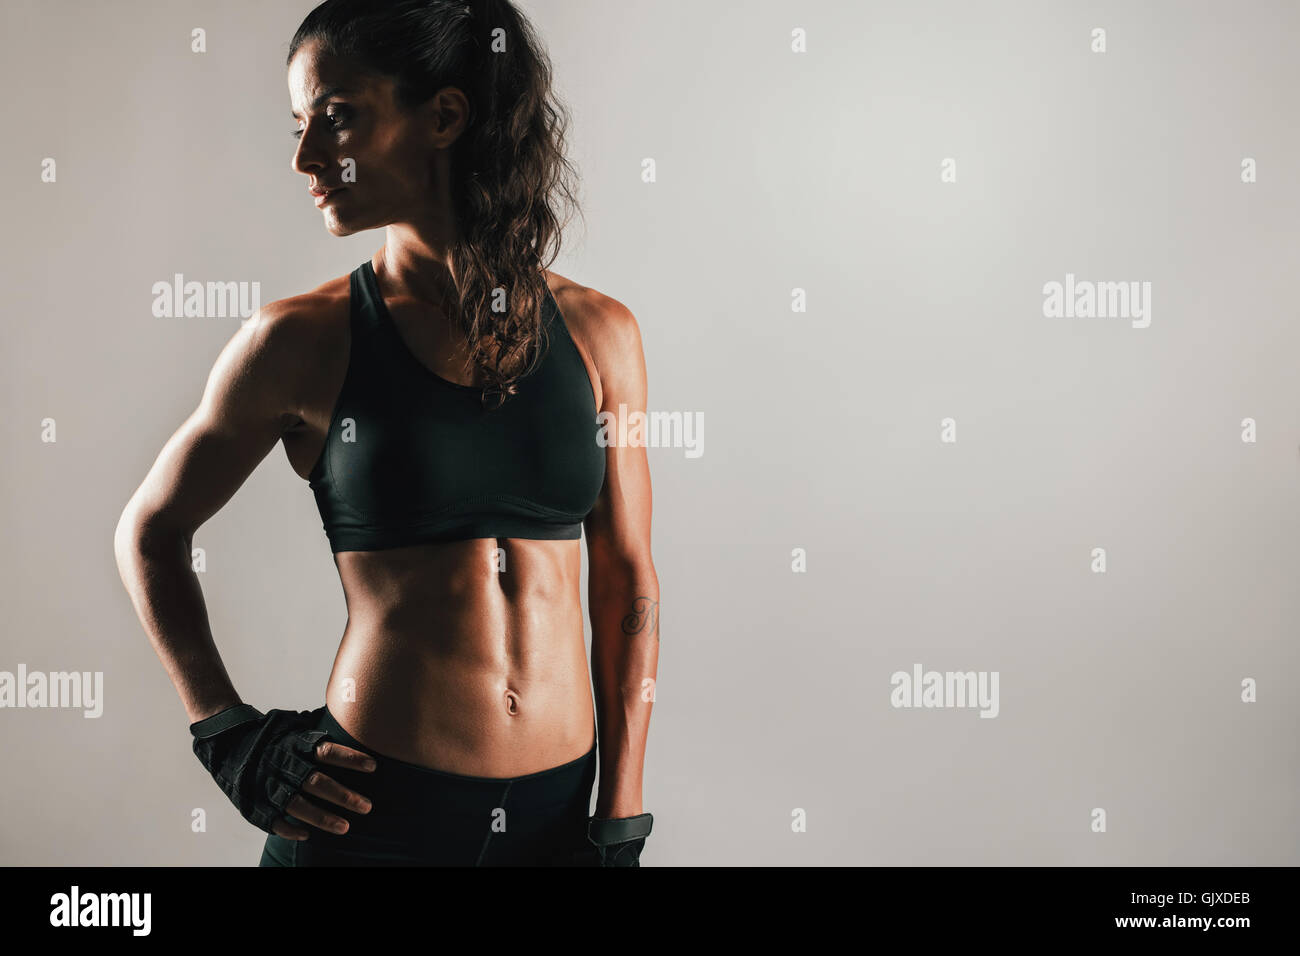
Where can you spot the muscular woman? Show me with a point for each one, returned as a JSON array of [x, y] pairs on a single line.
[[448, 403]]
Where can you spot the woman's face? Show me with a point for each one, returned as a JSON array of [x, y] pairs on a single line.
[[369, 162]]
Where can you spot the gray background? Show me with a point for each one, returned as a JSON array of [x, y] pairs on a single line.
[[776, 171]]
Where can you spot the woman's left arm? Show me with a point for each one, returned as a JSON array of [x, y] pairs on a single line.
[[623, 589]]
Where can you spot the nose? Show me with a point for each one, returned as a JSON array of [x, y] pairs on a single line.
[[308, 158]]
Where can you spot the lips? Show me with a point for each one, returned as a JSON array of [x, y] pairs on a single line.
[[323, 194]]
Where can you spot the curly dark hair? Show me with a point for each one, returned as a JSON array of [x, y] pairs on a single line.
[[509, 169]]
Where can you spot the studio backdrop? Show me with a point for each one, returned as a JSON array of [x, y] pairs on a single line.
[[972, 347]]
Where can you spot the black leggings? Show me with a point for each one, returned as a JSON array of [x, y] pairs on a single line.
[[424, 817]]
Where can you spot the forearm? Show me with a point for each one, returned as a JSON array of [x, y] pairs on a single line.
[[155, 568], [625, 660]]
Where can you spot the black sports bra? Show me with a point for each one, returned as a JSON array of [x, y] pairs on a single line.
[[412, 457]]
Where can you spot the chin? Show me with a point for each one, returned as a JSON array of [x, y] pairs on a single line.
[[342, 227]]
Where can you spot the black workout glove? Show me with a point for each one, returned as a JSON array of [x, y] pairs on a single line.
[[619, 841], [259, 760]]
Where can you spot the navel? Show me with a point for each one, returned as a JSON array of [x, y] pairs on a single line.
[[512, 703]]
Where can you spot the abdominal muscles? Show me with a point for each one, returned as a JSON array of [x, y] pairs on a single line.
[[466, 656]]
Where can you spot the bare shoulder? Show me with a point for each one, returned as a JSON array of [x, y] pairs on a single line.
[[299, 339], [301, 320], [284, 358], [602, 326]]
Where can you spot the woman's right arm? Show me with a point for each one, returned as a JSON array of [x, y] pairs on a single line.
[[249, 400], [252, 397]]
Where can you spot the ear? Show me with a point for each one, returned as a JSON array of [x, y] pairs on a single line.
[[445, 115]]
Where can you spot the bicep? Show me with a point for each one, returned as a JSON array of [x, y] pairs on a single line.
[[618, 528], [239, 419]]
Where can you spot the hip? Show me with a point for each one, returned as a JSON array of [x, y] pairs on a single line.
[[422, 816]]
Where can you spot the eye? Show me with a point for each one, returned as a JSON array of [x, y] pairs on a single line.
[[336, 113]]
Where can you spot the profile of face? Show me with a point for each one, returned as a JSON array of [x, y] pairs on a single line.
[[368, 160]]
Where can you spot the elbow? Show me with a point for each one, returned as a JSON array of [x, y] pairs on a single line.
[[618, 571], [619, 561], [139, 533], [126, 538], [619, 554]]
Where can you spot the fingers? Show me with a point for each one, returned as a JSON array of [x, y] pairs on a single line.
[[321, 785], [316, 816], [327, 788], [327, 751], [288, 830]]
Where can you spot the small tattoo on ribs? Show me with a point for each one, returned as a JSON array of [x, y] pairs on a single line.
[[644, 618]]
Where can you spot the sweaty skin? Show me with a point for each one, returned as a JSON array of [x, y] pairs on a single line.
[[445, 661], [457, 665]]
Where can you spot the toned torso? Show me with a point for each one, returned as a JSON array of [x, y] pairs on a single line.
[[446, 661]]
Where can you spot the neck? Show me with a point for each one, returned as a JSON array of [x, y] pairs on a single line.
[[417, 262]]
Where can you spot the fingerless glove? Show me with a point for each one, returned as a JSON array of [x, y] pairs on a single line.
[[260, 761], [619, 840]]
